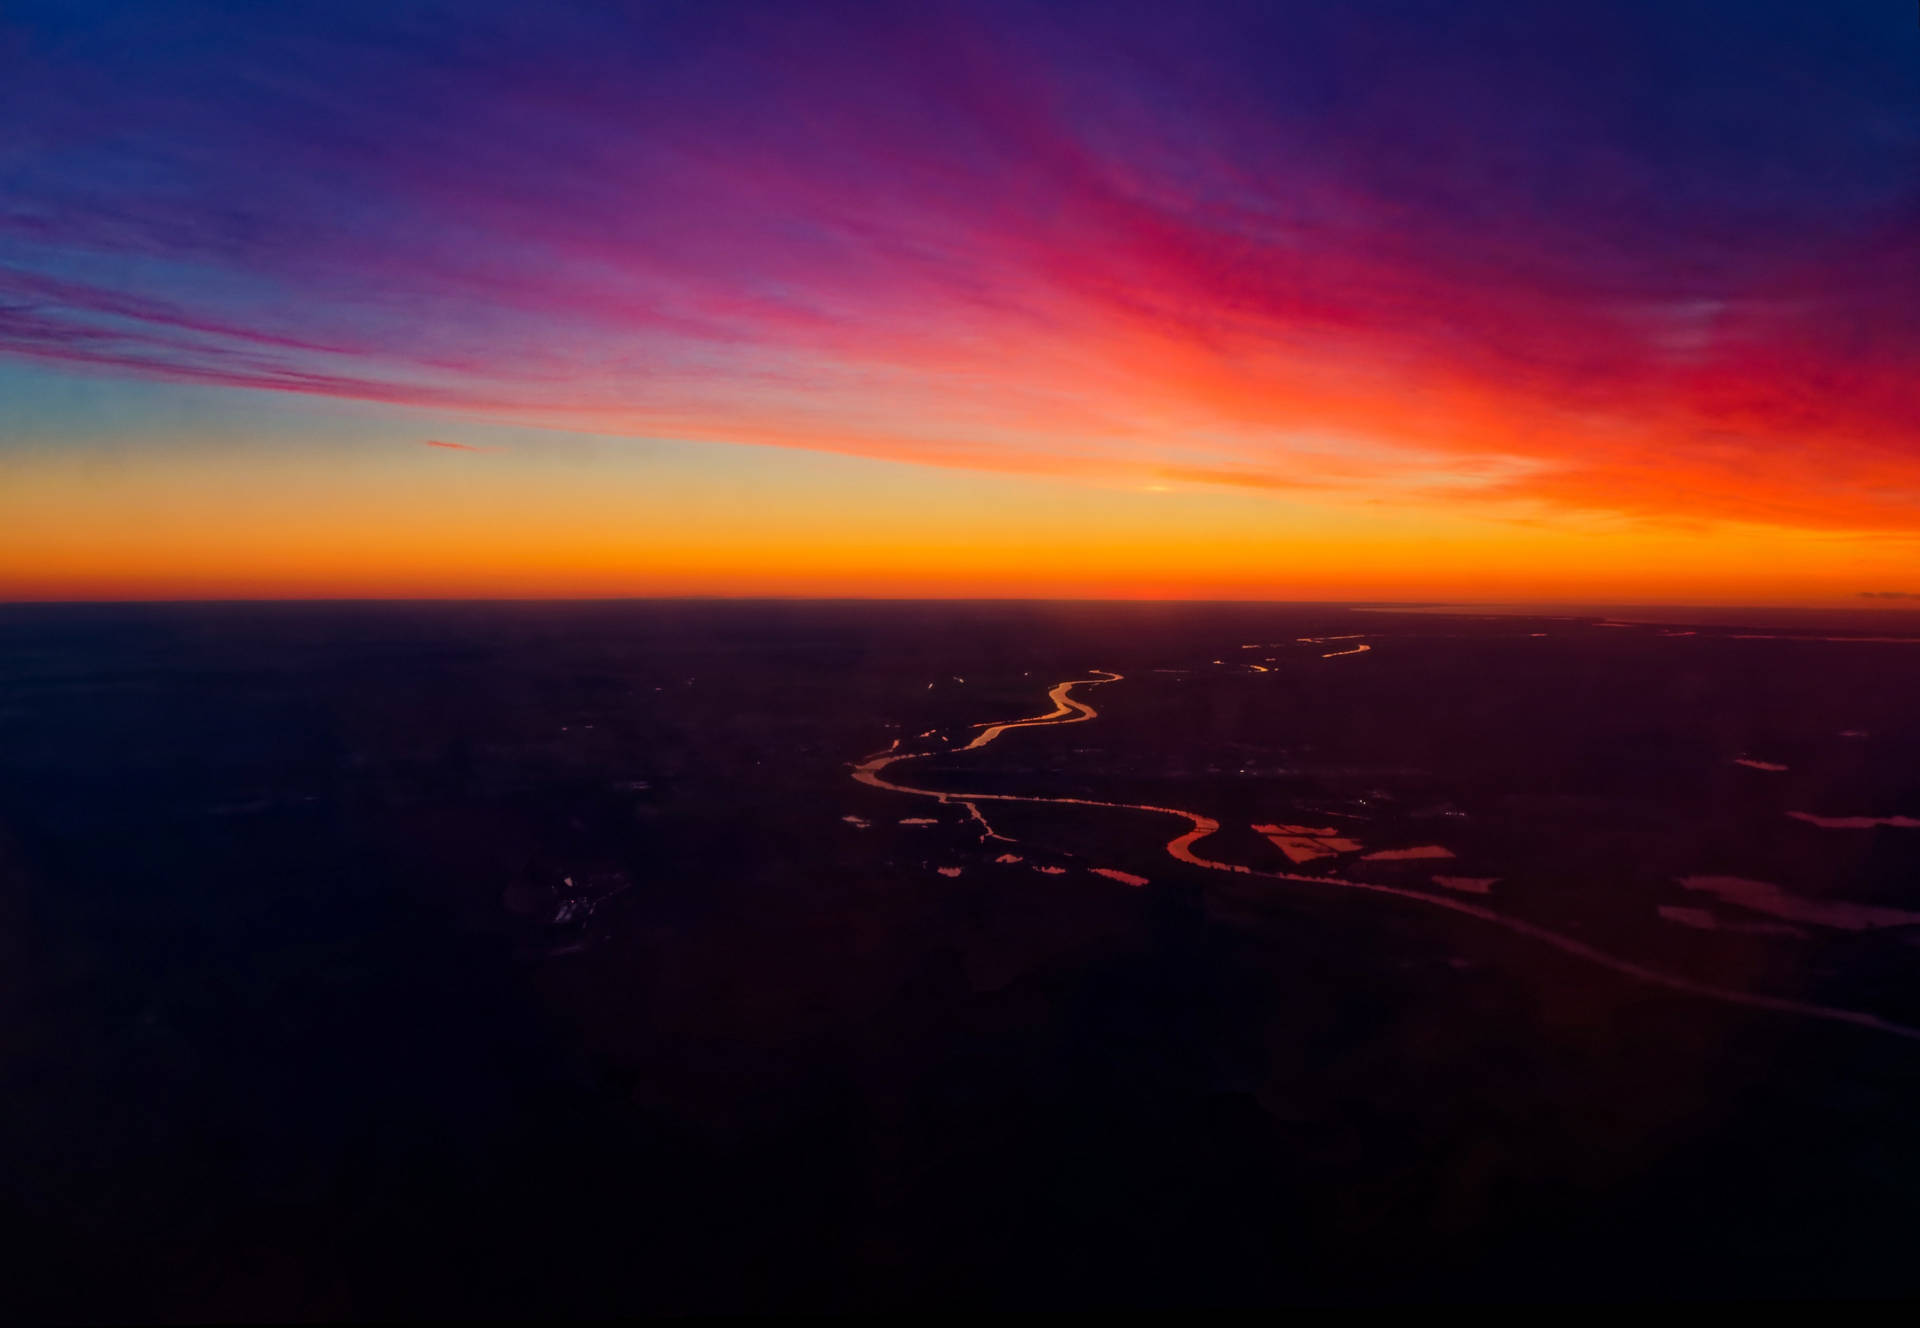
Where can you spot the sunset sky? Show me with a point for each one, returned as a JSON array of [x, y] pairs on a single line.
[[1448, 299]]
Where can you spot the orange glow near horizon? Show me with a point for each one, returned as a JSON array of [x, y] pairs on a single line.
[[612, 519]]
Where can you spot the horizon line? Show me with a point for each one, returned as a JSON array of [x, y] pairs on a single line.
[[1865, 602]]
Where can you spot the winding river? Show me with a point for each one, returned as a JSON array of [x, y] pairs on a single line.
[[1069, 709]]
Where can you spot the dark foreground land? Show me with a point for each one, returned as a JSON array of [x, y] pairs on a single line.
[[389, 960]]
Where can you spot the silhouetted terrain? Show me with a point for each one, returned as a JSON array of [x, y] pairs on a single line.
[[403, 959]]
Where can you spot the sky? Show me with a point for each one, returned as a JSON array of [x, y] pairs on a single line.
[[1481, 300]]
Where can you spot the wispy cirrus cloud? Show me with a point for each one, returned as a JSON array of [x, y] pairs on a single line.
[[1513, 260]]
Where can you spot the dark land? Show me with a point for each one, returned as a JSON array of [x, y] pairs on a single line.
[[519, 959]]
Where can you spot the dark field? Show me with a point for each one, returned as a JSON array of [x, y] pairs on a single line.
[[514, 959]]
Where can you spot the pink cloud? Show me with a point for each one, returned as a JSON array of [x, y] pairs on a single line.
[[1047, 253]]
